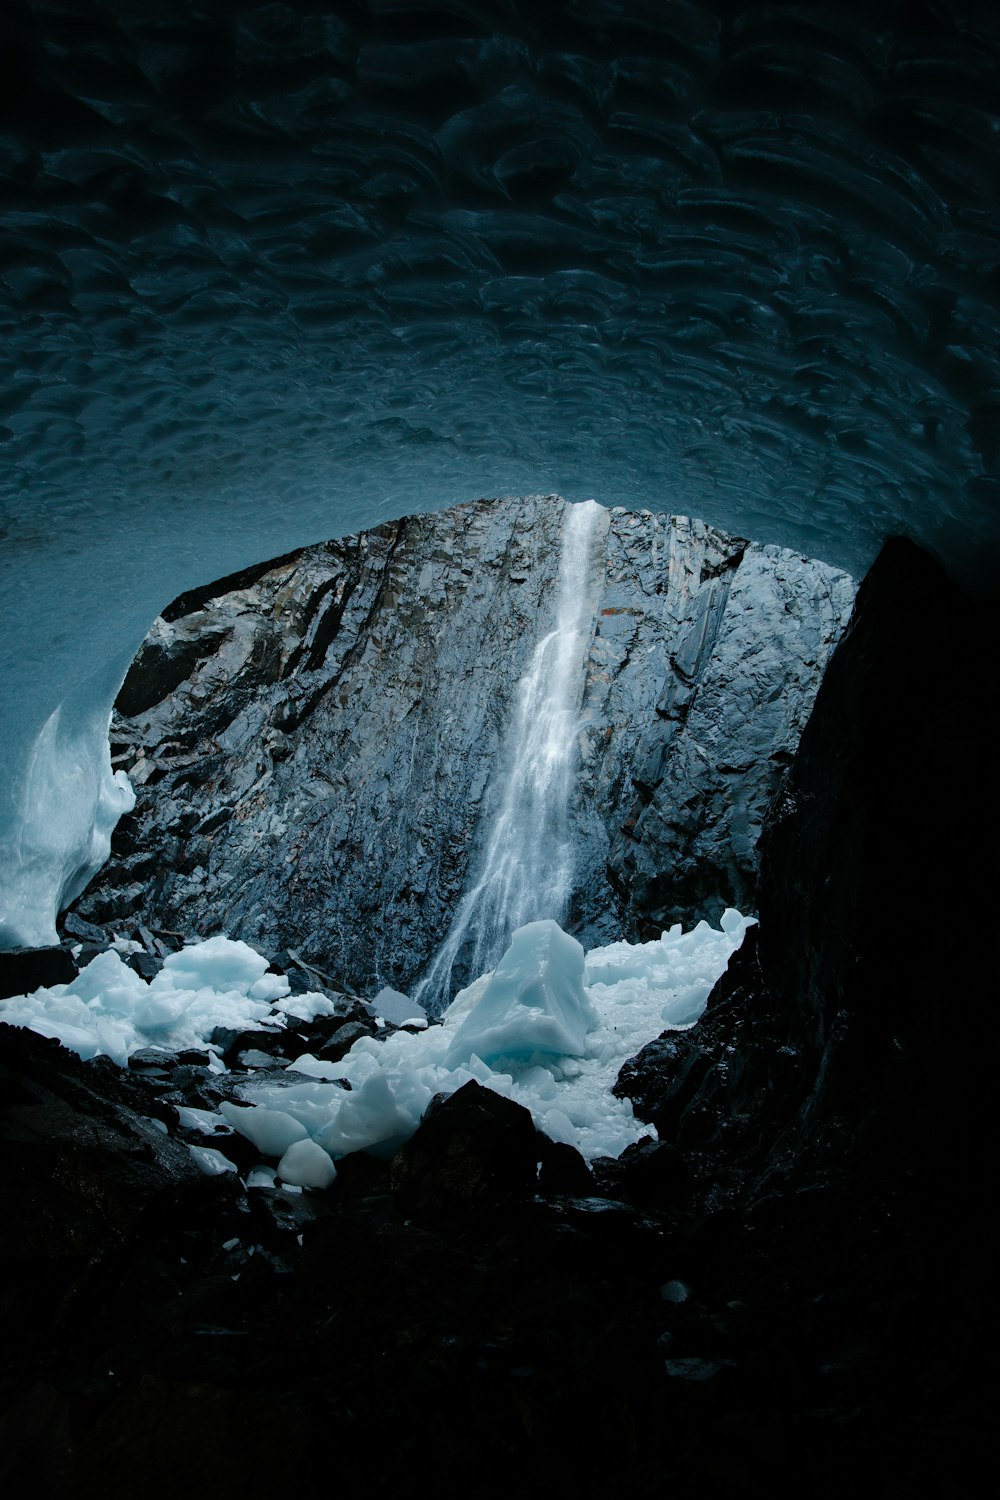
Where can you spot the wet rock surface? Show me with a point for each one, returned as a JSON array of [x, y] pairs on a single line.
[[318, 744]]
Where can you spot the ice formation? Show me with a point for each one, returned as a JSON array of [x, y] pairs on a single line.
[[732, 261], [66, 810], [109, 1011], [549, 1028], [531, 1009]]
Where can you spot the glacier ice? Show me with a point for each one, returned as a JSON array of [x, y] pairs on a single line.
[[210, 1163], [56, 826], [532, 1008], [550, 1028], [233, 328], [272, 1131], [305, 1164]]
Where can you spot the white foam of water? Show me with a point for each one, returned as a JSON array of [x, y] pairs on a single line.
[[527, 866]]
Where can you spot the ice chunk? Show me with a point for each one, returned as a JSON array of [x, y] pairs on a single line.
[[269, 987], [305, 1164], [261, 1177], [212, 1163], [306, 1007], [377, 1117], [272, 1131], [107, 980], [75, 1038], [204, 1120], [312, 1067], [217, 964], [534, 1007]]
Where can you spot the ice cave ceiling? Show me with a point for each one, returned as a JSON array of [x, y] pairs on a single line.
[[270, 274]]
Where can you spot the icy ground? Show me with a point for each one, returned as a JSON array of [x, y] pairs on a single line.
[[549, 1028]]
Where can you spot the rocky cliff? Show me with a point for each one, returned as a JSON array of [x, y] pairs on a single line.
[[832, 1053], [317, 743]]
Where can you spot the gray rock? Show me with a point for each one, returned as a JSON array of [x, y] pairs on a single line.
[[738, 688], [322, 777]]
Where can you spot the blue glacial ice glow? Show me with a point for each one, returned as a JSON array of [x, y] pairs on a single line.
[[268, 276]]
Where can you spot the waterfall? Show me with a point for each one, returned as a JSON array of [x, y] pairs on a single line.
[[527, 866]]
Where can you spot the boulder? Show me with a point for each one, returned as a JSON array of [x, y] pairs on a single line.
[[472, 1148], [24, 970]]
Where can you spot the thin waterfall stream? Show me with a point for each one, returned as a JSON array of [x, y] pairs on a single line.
[[527, 866]]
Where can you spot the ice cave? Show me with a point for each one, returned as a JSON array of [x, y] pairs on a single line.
[[457, 449]]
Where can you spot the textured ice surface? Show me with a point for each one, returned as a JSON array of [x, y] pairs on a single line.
[[269, 276], [272, 1131], [533, 1008], [555, 1024], [65, 809], [109, 1011]]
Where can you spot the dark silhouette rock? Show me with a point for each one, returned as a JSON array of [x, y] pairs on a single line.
[[830, 1048], [24, 970], [472, 1148], [563, 1170]]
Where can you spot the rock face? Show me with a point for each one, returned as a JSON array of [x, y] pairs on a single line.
[[318, 743], [833, 1038], [745, 634]]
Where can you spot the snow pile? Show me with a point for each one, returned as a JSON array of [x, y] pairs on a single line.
[[603, 1009], [548, 1028], [109, 1011]]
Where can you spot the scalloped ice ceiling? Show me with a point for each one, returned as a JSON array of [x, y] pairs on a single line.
[[271, 274]]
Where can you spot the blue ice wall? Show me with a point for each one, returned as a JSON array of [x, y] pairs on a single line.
[[271, 274]]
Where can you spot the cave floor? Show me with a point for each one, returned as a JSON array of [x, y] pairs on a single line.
[[229, 1338]]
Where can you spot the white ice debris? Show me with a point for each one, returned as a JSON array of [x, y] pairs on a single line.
[[108, 1010], [261, 1177], [549, 1028], [306, 1007], [305, 1164], [206, 1121], [55, 829], [211, 1162], [272, 1131]]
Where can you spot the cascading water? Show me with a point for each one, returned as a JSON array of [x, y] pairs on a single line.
[[526, 871]]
